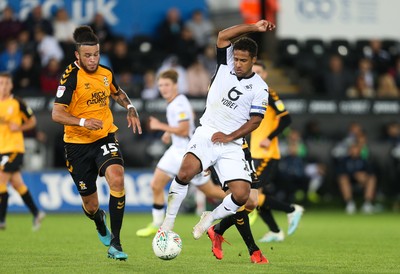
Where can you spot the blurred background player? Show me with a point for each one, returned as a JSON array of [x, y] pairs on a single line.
[[180, 128], [91, 147], [264, 148], [15, 118]]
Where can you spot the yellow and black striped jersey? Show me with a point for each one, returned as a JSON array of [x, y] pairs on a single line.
[[276, 109], [13, 110], [87, 95]]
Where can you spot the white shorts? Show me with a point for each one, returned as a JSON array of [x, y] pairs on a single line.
[[171, 161], [228, 159]]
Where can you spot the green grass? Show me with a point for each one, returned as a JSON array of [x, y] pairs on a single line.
[[325, 242]]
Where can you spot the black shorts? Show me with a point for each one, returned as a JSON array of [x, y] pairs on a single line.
[[86, 161], [11, 162], [267, 171]]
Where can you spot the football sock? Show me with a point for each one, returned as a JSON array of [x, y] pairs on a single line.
[[243, 226], [177, 192], [158, 212], [98, 220], [268, 218], [271, 202], [224, 224], [228, 207], [27, 198], [116, 207], [3, 206]]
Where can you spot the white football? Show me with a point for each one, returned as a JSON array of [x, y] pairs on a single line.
[[167, 244]]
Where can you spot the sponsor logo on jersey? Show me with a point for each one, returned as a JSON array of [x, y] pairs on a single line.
[[234, 94], [60, 91], [98, 97]]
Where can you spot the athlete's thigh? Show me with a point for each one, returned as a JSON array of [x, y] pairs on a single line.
[[4, 177], [201, 148], [107, 152], [81, 164], [160, 179], [211, 190], [171, 161], [232, 166], [11, 162]]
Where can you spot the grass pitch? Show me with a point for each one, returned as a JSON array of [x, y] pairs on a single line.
[[325, 242]]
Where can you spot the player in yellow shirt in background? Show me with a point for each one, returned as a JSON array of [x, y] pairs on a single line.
[[15, 118]]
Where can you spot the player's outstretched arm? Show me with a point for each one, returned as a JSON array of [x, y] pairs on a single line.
[[225, 36]]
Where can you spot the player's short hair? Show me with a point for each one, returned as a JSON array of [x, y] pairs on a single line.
[[246, 44], [84, 35], [169, 74], [5, 74], [261, 64]]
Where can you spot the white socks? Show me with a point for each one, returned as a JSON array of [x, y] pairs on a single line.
[[226, 208], [158, 216], [177, 193]]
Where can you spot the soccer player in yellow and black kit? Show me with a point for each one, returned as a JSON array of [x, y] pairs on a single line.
[[91, 147], [15, 118], [264, 151]]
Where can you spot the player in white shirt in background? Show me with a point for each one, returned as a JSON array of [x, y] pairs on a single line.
[[179, 130], [236, 103]]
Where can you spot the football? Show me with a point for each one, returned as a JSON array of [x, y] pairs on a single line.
[[167, 244]]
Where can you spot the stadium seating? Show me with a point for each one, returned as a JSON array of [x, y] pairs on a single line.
[[288, 51]]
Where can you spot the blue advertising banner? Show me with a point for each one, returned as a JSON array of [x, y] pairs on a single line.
[[54, 191], [125, 17]]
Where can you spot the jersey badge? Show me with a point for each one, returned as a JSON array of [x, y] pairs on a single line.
[[82, 185], [248, 87], [182, 116], [106, 81], [279, 105], [264, 103], [60, 91]]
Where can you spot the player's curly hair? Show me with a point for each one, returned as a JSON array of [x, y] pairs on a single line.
[[246, 44], [84, 35]]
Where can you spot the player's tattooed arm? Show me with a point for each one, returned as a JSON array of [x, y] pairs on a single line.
[[133, 117], [121, 98]]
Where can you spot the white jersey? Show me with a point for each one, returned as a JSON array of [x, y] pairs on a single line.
[[177, 111], [231, 100]]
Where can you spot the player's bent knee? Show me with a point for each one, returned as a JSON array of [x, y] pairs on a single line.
[[251, 204], [184, 176]]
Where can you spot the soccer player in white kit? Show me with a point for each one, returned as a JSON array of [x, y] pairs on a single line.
[[236, 103], [179, 130]]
